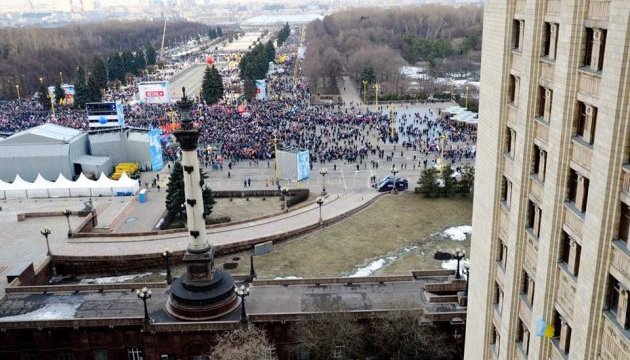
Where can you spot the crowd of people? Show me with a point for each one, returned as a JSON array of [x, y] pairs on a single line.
[[238, 132]]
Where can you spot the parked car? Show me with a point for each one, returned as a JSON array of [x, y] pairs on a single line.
[[387, 184]]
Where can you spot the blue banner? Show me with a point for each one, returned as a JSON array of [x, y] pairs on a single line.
[[303, 165], [155, 149]]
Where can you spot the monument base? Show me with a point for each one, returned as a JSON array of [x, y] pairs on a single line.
[[203, 293]]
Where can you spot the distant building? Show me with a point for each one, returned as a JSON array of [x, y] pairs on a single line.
[[550, 246]]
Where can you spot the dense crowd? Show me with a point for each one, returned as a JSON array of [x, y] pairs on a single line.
[[248, 131]]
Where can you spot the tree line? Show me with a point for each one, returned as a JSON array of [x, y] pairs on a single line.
[[26, 54], [283, 34], [215, 33], [254, 65], [386, 39]]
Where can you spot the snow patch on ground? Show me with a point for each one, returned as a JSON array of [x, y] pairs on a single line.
[[113, 279], [457, 233], [287, 278], [452, 264], [55, 311], [369, 269]]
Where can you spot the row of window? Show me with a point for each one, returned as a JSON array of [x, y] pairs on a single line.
[[594, 43], [133, 353]]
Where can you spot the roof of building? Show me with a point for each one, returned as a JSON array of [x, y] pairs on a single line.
[[44, 134]]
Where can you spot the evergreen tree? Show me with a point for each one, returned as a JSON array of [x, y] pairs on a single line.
[[212, 34], [368, 73], [151, 55], [449, 180], [175, 197], [211, 86], [219, 32], [60, 95], [81, 96], [284, 33], [115, 67], [93, 90], [249, 89], [43, 96], [428, 182], [270, 51], [99, 72], [467, 181], [129, 66], [208, 197], [140, 61]]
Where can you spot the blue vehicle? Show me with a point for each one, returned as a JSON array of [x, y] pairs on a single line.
[[387, 184]]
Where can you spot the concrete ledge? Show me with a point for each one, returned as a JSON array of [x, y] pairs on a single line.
[[334, 280], [74, 323], [83, 287], [134, 262]]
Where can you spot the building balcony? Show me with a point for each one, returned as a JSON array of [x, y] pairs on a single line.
[[536, 188], [620, 266], [567, 284], [508, 165], [598, 9], [554, 7], [516, 60], [547, 73], [541, 130], [531, 253], [503, 221], [615, 341], [589, 82], [524, 309], [581, 153], [573, 219]]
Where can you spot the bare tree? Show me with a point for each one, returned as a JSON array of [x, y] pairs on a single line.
[[248, 343]]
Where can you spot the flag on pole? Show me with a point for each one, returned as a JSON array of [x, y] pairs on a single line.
[[544, 329]]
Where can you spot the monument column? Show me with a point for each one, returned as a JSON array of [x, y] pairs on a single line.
[[203, 292]]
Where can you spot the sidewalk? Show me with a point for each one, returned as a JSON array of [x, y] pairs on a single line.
[[111, 246]]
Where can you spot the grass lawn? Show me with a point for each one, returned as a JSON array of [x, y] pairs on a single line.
[[241, 209], [386, 227], [405, 228]]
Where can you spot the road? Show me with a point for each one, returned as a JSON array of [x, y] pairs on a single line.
[[190, 78]]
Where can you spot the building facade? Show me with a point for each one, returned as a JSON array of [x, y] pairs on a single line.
[[550, 245]]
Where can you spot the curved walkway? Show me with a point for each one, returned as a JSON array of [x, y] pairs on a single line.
[[334, 206]]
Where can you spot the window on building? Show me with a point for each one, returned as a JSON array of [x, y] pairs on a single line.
[[167, 357], [64, 355], [624, 223], [570, 253], [527, 288], [522, 336], [134, 353], [541, 102], [588, 48], [550, 40], [534, 214], [513, 90], [539, 164], [618, 305], [498, 297], [578, 190], [502, 255], [100, 354], [585, 122], [510, 141], [561, 333], [506, 191], [595, 48], [517, 33]]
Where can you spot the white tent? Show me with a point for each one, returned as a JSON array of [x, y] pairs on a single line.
[[42, 188]]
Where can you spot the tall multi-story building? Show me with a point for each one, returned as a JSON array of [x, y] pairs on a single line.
[[551, 217]]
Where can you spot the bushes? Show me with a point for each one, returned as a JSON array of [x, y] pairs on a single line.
[[300, 195], [218, 220]]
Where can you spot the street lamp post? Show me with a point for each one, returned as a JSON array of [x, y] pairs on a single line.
[[365, 82], [323, 172], [377, 86], [466, 272], [394, 172], [17, 88], [320, 202], [61, 77], [67, 213], [144, 295], [458, 255], [46, 232], [243, 292], [285, 192], [167, 254], [252, 271], [41, 80]]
